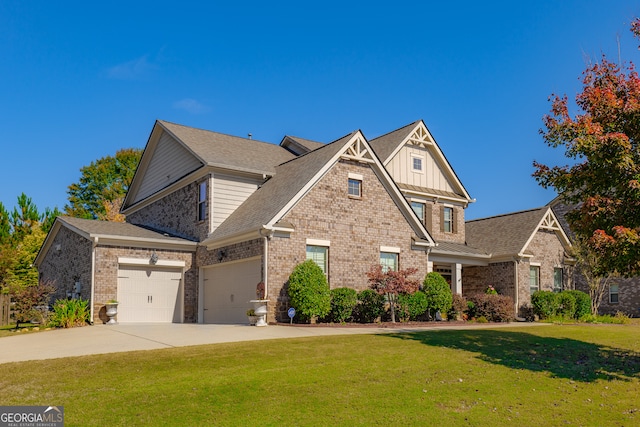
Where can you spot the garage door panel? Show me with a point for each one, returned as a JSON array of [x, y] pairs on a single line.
[[228, 290], [146, 294]]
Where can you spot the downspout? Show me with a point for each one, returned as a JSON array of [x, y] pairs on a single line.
[[516, 262], [93, 275]]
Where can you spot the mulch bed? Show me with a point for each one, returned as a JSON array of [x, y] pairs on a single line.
[[390, 325]]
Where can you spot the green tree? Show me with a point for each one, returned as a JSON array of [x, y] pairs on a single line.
[[22, 272], [603, 142], [103, 185]]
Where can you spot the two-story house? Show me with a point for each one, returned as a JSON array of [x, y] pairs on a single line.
[[209, 216]]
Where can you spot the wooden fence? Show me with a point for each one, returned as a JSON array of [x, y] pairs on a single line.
[[5, 309]]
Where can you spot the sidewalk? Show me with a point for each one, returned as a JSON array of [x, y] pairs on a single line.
[[100, 339]]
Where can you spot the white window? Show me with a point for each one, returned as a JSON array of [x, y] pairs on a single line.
[[355, 187], [534, 278], [613, 294], [202, 201], [389, 261], [419, 209], [557, 279], [447, 219], [417, 163], [319, 255]]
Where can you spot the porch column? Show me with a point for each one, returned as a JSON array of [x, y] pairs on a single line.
[[456, 278], [429, 266]]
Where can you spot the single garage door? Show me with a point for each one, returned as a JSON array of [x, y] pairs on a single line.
[[149, 294], [228, 289]]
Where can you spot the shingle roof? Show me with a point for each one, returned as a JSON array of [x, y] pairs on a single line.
[[262, 206], [506, 234], [217, 149], [306, 143], [459, 249], [116, 229], [418, 189], [385, 145]]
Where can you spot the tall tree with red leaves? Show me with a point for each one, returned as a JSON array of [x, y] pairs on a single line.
[[603, 140]]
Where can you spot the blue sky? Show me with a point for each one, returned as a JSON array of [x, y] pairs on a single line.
[[80, 80]]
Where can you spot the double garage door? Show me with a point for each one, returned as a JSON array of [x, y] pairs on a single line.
[[149, 294], [228, 289]]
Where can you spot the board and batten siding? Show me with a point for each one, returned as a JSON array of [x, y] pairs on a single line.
[[400, 168], [229, 192], [170, 162]]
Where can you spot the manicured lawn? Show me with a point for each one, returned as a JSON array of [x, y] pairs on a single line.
[[542, 375]]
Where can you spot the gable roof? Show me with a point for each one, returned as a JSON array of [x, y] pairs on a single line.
[[108, 232], [208, 149], [509, 235], [417, 133], [292, 180]]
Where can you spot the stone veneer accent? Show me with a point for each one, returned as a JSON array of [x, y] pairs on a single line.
[[72, 262], [106, 276], [356, 228], [176, 214]]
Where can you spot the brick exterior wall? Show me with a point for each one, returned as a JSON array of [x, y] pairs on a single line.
[[628, 295], [500, 275], [175, 214], [547, 251], [356, 228], [435, 229], [70, 264], [106, 277], [235, 252]]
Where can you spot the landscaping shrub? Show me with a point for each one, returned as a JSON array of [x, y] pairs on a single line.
[[343, 301], [458, 308], [69, 313], [370, 306], [566, 304], [495, 308], [412, 306], [308, 291], [438, 292], [583, 303], [545, 303]]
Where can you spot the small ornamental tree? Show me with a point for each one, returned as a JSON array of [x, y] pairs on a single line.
[[439, 296], [308, 291], [391, 283], [29, 302]]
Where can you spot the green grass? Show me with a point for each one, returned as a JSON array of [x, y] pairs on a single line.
[[541, 375]]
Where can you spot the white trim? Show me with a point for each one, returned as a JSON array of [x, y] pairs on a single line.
[[535, 264], [145, 261], [318, 242], [355, 176], [422, 161], [391, 249]]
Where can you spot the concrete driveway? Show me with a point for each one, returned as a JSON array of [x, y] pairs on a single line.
[[101, 339]]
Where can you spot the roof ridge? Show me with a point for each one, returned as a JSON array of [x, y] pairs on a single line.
[[396, 130], [508, 214], [217, 133]]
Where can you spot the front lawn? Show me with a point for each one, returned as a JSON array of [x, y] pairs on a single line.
[[540, 375]]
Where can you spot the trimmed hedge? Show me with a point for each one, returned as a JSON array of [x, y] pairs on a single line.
[[492, 307], [308, 291], [343, 301], [412, 306], [370, 306], [573, 304], [438, 292]]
